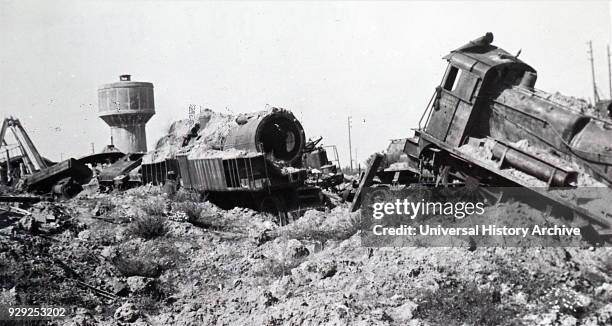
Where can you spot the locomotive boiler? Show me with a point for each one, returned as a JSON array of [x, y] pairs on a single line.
[[488, 94], [487, 125], [257, 164]]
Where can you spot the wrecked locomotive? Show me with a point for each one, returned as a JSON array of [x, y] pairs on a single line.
[[486, 125], [489, 95], [260, 160]]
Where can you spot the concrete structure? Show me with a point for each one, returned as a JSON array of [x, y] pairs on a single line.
[[126, 106]]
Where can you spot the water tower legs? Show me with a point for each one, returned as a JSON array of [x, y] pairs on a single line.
[[130, 138]]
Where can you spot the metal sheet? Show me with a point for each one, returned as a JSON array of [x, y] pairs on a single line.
[[207, 174], [459, 123], [442, 116], [43, 180], [186, 175]]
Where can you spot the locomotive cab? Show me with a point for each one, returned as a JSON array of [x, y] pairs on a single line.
[[476, 73]]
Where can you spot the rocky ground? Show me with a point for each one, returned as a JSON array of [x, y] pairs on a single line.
[[140, 258]]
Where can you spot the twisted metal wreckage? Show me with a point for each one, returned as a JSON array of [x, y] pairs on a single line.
[[485, 125]]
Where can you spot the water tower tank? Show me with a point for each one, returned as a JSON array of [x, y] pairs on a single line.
[[126, 106]]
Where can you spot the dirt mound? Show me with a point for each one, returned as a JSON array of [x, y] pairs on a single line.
[[237, 267], [214, 128]]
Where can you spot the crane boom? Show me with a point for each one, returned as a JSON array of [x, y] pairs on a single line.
[[31, 155]]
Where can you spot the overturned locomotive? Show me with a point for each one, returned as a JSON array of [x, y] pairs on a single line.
[[487, 125], [259, 160]]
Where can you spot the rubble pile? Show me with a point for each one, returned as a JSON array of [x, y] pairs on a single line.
[[213, 129], [484, 153], [574, 103], [238, 267]]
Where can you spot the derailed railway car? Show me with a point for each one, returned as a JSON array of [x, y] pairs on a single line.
[[157, 173], [487, 125]]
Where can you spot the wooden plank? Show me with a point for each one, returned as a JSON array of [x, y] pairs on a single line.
[[366, 181]]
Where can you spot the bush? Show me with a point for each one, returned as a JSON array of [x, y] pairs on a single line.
[[137, 258], [198, 215], [465, 302], [154, 207], [192, 210], [105, 206], [137, 266], [339, 225], [149, 227]]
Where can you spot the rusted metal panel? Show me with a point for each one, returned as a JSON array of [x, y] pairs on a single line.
[[230, 174], [452, 110], [233, 178], [199, 178], [184, 168], [479, 56], [121, 167], [316, 159], [217, 165], [44, 180], [442, 115], [459, 123], [102, 158], [208, 174], [205, 177], [157, 173], [593, 143], [551, 122], [214, 174]]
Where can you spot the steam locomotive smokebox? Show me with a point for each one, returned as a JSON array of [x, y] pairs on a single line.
[[277, 133]]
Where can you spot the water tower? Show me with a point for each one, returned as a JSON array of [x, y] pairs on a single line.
[[126, 106]]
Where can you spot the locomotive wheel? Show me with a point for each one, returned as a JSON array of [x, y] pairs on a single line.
[[276, 207], [380, 195], [471, 183]]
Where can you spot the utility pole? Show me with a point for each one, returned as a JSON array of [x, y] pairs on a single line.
[[93, 151], [350, 145], [590, 53], [609, 71], [358, 165]]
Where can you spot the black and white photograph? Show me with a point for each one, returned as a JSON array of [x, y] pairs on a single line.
[[421, 163]]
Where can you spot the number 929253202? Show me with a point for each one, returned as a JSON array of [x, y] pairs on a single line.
[[32, 312]]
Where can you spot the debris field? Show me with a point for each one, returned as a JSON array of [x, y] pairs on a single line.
[[143, 258]]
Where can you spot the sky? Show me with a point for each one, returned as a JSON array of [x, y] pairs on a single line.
[[375, 61]]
